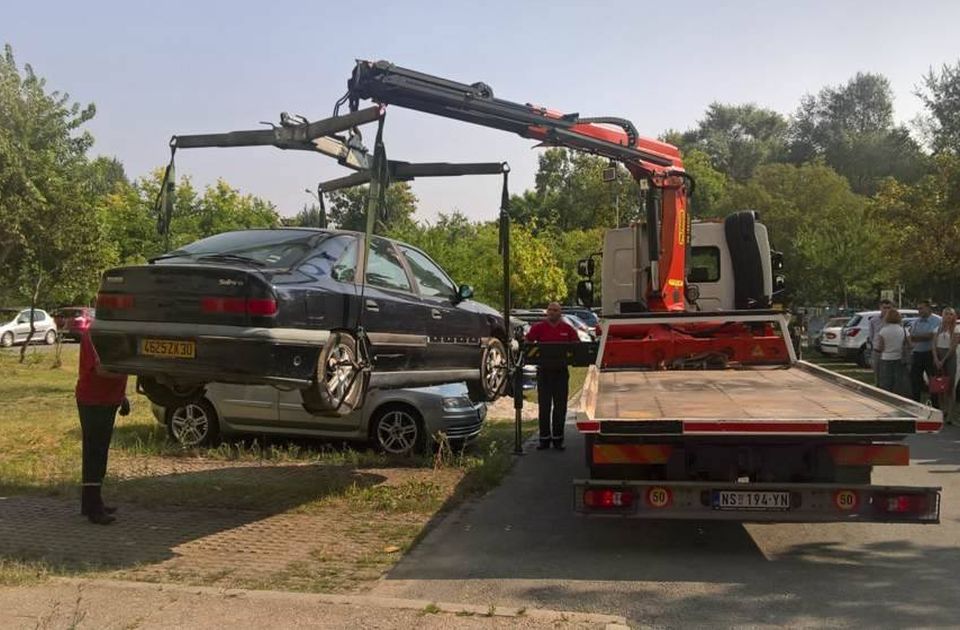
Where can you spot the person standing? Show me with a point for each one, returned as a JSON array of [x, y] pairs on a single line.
[[945, 360], [888, 350], [553, 382], [922, 332], [99, 395], [876, 323]]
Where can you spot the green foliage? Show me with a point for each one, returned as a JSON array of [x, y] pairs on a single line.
[[940, 94], [711, 184], [309, 216], [851, 128], [349, 208]]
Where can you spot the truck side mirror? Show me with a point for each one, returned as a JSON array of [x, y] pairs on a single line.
[[585, 267], [585, 293], [779, 284], [776, 261]]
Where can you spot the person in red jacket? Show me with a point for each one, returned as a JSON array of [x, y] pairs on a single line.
[[99, 395], [553, 383]]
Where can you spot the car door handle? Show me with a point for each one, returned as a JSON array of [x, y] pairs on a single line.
[[373, 306], [436, 314]]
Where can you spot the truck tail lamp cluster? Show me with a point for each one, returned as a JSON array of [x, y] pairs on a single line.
[[904, 503], [608, 498]]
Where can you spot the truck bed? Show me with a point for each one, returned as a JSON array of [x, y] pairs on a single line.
[[797, 399]]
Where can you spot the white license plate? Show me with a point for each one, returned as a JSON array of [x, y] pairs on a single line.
[[747, 500]]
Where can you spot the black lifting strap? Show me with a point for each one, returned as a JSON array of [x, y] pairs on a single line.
[[322, 220], [163, 204]]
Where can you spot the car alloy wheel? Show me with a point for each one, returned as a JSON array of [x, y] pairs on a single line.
[[50, 338], [340, 383], [397, 432], [493, 373], [6, 340], [194, 424]]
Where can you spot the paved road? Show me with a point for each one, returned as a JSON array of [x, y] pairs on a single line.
[[522, 545]]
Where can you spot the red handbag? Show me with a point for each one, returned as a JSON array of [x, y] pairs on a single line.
[[939, 384]]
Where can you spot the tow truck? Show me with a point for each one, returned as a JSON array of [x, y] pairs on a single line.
[[695, 404]]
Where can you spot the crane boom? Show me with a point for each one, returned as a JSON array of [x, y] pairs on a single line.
[[656, 165]]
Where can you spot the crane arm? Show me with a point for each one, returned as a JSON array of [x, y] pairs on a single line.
[[656, 165]]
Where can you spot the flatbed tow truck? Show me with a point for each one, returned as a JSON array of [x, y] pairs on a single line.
[[696, 405]]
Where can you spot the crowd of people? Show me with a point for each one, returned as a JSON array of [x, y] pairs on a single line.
[[919, 360]]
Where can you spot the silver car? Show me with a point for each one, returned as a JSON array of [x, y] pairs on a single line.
[[397, 421], [15, 326]]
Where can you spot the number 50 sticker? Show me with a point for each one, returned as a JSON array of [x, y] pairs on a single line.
[[846, 500], [659, 497]]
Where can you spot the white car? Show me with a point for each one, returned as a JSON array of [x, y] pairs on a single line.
[[855, 342], [15, 326], [830, 336]]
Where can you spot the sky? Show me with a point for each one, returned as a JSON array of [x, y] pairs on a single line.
[[163, 68]]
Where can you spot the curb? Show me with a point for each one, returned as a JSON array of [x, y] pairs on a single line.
[[610, 622]]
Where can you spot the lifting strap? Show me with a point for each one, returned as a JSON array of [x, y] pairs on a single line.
[[166, 196]]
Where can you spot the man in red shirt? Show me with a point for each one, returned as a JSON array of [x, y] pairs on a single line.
[[553, 383], [99, 395]]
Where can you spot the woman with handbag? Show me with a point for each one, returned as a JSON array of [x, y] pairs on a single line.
[[945, 362]]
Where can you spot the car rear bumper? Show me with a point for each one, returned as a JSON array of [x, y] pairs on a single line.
[[829, 349], [226, 354]]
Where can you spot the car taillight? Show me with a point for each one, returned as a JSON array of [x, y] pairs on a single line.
[[831, 335], [114, 301], [239, 306], [607, 498], [852, 332]]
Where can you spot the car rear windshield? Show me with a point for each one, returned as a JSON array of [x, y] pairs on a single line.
[[853, 321], [68, 312], [267, 248]]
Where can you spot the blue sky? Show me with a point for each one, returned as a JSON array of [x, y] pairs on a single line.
[[160, 68]]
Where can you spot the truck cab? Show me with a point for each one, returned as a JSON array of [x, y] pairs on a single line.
[[731, 266]]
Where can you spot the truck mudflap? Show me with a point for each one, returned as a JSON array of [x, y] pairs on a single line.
[[757, 502]]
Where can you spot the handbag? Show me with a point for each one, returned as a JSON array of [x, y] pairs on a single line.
[[939, 384]]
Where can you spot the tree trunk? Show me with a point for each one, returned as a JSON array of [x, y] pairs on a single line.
[[33, 325]]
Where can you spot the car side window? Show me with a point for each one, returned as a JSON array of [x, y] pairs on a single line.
[[24, 317], [429, 277], [384, 268], [335, 257]]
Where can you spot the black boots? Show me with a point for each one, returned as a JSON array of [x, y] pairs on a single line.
[[91, 506]]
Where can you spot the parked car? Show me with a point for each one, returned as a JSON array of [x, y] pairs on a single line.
[[397, 421], [282, 307], [15, 326], [586, 315], [829, 342], [73, 321], [855, 338], [581, 326]]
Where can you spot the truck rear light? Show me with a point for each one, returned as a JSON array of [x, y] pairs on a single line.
[[902, 503], [607, 498], [588, 427], [114, 301], [239, 306]]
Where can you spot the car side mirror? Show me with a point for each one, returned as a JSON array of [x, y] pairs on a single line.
[[465, 292], [585, 293], [585, 267]]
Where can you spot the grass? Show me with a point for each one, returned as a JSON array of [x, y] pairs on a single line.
[[852, 370], [381, 503]]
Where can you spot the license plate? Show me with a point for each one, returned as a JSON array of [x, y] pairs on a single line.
[[747, 500], [168, 348]]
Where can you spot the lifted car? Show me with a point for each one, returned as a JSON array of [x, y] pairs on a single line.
[[282, 307]]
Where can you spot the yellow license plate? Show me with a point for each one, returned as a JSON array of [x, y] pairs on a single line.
[[168, 348]]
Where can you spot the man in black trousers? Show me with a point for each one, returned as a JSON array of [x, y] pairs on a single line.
[[553, 382]]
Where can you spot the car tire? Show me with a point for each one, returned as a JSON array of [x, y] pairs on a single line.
[[194, 425], [50, 338], [166, 397], [398, 430], [6, 340], [493, 373], [862, 356], [337, 388]]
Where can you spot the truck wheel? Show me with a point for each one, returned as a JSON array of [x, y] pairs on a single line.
[[338, 385]]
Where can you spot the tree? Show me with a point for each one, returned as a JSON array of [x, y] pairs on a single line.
[[49, 234], [940, 94], [309, 216], [348, 207], [737, 138], [851, 128], [710, 186]]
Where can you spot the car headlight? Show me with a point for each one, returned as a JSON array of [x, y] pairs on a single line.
[[457, 403]]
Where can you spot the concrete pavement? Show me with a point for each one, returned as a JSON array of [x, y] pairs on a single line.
[[522, 545]]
